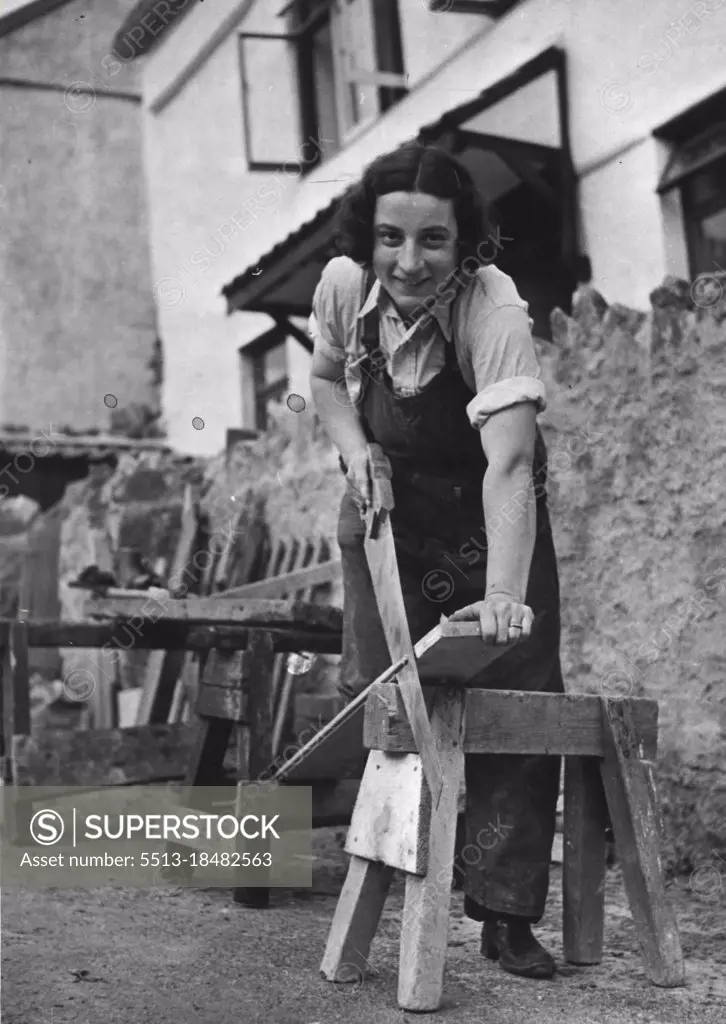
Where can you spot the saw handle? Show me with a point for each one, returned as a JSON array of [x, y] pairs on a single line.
[[381, 490]]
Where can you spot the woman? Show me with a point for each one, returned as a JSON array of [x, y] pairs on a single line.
[[424, 347]]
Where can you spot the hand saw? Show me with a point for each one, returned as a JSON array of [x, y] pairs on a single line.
[[381, 555]]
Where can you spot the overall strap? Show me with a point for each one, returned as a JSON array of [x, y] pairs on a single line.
[[370, 327]]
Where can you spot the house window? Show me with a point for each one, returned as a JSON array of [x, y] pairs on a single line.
[[306, 91], [350, 67], [704, 212], [697, 168], [268, 370]]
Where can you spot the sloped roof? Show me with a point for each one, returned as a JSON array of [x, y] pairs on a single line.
[[21, 14], [153, 29]]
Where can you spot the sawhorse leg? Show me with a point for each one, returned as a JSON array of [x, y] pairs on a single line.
[[633, 806], [583, 868], [15, 686], [425, 922], [206, 767], [254, 743], [357, 914]]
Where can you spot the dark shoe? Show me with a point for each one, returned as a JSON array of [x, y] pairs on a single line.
[[512, 943]]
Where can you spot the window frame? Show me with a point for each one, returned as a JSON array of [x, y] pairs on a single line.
[[305, 18], [256, 393], [344, 72], [687, 137], [693, 215]]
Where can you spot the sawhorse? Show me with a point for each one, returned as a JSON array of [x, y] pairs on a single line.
[[608, 746]]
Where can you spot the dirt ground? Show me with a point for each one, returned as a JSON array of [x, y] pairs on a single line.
[[127, 956]]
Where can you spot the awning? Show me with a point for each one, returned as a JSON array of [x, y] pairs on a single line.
[[694, 155], [512, 131]]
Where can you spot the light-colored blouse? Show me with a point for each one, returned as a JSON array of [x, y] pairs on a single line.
[[488, 322]]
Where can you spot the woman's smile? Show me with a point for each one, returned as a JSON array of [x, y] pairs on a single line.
[[414, 250]]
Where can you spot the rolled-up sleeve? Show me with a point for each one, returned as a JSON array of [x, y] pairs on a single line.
[[324, 326], [504, 362]]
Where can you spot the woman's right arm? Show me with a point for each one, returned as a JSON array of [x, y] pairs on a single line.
[[340, 419]]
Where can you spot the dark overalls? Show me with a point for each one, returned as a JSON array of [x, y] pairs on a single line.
[[438, 525]]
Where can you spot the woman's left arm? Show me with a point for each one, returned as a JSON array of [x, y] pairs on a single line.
[[510, 511], [509, 395], [510, 515]]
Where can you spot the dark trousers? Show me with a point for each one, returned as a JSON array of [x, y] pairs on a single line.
[[510, 800]]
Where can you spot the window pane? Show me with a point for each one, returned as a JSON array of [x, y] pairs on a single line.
[[714, 232], [272, 129], [360, 48], [275, 364], [324, 81], [704, 206]]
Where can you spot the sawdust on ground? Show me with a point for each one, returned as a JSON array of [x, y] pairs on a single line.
[[127, 956]]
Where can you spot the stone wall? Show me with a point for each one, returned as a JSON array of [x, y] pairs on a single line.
[[636, 431]]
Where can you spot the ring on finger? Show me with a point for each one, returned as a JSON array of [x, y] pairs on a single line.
[[515, 625]]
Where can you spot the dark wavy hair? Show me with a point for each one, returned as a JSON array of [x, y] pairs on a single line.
[[413, 167]]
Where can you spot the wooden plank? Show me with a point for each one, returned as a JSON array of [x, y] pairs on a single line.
[[187, 687], [281, 614], [248, 542], [511, 722], [286, 682], [39, 594], [163, 667], [224, 568], [425, 921], [635, 818], [453, 652], [170, 635], [381, 556], [300, 579], [128, 703], [103, 757], [224, 668], [221, 702], [157, 690], [295, 552], [583, 862], [355, 921], [101, 704], [392, 817]]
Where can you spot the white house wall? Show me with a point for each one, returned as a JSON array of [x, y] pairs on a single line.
[[628, 72]]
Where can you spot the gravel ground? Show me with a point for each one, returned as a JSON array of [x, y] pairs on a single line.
[[127, 956]]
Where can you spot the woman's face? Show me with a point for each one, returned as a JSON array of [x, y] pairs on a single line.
[[414, 246]]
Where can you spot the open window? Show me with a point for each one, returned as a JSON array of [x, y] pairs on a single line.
[[337, 68]]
